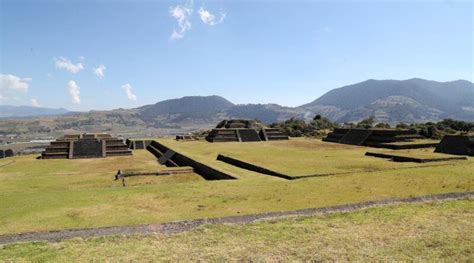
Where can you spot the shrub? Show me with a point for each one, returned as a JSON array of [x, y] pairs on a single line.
[[9, 153], [366, 123], [382, 125], [295, 127]]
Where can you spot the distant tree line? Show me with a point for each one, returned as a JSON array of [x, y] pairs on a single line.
[[320, 126], [294, 127]]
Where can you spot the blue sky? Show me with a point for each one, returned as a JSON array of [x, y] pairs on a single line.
[[286, 52]]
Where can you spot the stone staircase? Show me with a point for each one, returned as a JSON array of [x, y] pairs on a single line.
[[116, 147], [85, 146], [223, 135], [272, 134]]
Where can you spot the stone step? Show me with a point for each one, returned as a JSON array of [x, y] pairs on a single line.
[[282, 137], [56, 150], [225, 139], [58, 155], [118, 153]]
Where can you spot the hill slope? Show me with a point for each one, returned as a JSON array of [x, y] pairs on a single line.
[[209, 110], [413, 100]]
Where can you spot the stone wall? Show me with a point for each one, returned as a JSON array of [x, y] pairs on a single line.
[[203, 170]]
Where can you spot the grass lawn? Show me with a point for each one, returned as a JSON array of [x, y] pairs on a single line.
[[300, 157], [410, 232], [39, 195]]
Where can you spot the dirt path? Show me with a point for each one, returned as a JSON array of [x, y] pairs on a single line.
[[181, 226]]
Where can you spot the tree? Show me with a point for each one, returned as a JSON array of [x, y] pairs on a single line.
[[321, 123], [402, 126], [366, 123], [297, 127], [431, 132], [382, 125], [9, 153]]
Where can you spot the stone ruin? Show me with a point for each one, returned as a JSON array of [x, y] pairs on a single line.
[[379, 138], [244, 131], [85, 145], [170, 158], [137, 144], [456, 144], [185, 137]]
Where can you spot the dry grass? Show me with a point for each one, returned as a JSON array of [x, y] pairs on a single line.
[[412, 232], [300, 157], [38, 195]]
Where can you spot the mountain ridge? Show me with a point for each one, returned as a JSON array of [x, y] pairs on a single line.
[[10, 111], [392, 101]]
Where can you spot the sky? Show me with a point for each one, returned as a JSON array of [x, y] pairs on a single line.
[[107, 54]]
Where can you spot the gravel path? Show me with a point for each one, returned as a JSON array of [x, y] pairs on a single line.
[[181, 226]]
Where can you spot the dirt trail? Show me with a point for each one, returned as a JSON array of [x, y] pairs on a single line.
[[181, 226]]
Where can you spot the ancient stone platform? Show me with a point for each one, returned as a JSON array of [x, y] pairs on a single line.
[[185, 137], [456, 144], [244, 131], [170, 158], [137, 144], [402, 158], [86, 146], [379, 138]]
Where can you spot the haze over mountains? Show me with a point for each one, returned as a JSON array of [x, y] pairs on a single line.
[[7, 111], [393, 101]]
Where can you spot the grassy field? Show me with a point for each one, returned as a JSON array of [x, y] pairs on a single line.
[[39, 195], [411, 232], [300, 157]]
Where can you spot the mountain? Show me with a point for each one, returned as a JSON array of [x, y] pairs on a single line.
[[7, 111], [267, 113], [191, 110], [205, 110], [412, 100], [393, 101]]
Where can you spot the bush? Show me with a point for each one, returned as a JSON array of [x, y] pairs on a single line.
[[431, 132], [9, 153], [382, 125], [366, 123], [298, 128], [320, 123], [402, 126]]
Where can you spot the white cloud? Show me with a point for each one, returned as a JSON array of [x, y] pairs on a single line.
[[64, 63], [210, 19], [74, 91], [100, 71], [128, 90], [181, 13], [11, 85], [35, 103]]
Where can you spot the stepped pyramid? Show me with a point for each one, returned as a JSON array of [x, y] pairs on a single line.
[[243, 131], [87, 145], [456, 144]]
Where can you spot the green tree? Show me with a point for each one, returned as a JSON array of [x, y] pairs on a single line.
[[366, 123]]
